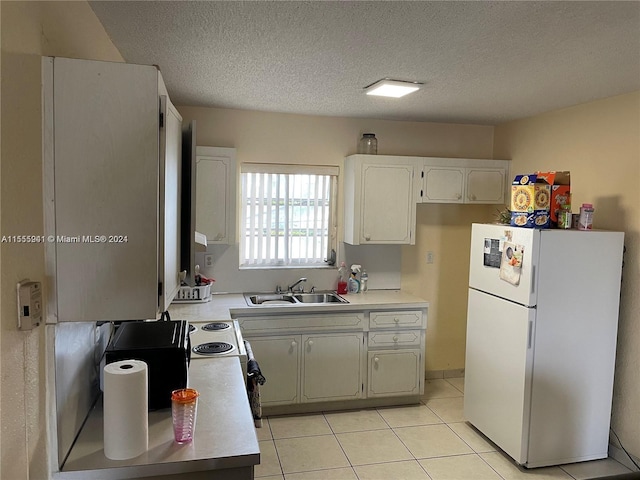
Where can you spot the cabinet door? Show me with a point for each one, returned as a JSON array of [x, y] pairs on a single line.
[[279, 359], [388, 204], [394, 373], [169, 235], [215, 194], [102, 143], [443, 185], [485, 185], [332, 367]]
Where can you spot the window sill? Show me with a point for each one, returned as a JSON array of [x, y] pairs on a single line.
[[287, 267]]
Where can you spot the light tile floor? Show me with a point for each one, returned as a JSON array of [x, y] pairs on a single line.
[[430, 441]]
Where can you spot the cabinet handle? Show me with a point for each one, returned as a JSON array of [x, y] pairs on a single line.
[[367, 236], [375, 359], [459, 196], [310, 342], [293, 344], [472, 197], [395, 338], [397, 320]]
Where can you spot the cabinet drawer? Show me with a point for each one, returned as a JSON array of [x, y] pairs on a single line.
[[407, 318], [301, 323], [399, 338]]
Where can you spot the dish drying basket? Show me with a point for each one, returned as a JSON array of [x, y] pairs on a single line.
[[199, 294]]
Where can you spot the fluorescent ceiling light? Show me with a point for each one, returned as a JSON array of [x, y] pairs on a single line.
[[392, 88]]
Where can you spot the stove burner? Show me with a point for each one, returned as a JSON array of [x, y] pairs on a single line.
[[213, 348], [214, 326]]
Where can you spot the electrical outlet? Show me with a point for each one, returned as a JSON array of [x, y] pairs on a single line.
[[208, 260], [430, 257]]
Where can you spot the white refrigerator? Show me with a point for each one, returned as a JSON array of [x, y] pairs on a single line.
[[542, 324]]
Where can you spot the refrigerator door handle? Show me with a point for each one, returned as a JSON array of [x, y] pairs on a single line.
[[530, 335], [533, 279]]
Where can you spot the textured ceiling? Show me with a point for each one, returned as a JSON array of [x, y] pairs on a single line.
[[481, 62]]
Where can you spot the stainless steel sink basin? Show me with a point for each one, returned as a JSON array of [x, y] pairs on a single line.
[[269, 298], [319, 298], [282, 299]]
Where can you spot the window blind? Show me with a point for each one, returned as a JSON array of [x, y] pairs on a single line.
[[286, 218]]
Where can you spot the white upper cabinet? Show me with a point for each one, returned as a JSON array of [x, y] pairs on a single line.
[[486, 185], [112, 143], [379, 199], [456, 180], [443, 184], [216, 194]]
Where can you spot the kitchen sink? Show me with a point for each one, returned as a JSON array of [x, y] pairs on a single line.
[[282, 299], [269, 298], [319, 298]]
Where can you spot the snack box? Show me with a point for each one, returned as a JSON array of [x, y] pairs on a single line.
[[530, 201], [560, 191]]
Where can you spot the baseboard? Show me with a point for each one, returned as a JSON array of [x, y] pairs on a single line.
[[620, 455], [435, 374], [300, 408]]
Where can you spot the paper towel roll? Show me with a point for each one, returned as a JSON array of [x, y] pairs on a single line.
[[126, 425]]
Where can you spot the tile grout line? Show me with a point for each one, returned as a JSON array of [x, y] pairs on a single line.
[[275, 447], [339, 444]]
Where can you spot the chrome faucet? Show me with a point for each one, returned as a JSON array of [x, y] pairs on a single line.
[[291, 287]]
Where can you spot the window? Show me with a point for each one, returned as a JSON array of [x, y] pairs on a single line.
[[288, 215]]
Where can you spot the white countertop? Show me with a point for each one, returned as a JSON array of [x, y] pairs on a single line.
[[225, 435], [223, 306]]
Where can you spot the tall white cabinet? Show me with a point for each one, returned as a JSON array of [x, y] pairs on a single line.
[[112, 142]]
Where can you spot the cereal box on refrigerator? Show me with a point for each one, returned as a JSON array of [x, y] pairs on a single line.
[[560, 183], [530, 202]]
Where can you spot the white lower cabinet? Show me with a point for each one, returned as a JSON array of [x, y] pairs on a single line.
[[331, 366], [394, 373], [279, 359], [338, 356], [309, 368]]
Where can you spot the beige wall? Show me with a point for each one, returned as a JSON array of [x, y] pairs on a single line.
[[29, 30], [599, 142], [442, 229]]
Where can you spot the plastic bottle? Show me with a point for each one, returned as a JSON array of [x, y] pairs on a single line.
[[586, 217], [354, 284], [564, 217], [364, 278], [368, 144], [343, 278]]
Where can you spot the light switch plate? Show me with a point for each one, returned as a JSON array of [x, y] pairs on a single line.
[[29, 304]]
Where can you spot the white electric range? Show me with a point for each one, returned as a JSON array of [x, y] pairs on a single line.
[[215, 339]]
